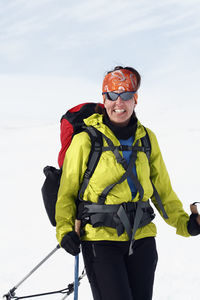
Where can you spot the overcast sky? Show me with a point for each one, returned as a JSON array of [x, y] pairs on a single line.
[[54, 54]]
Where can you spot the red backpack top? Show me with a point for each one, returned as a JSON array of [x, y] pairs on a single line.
[[72, 123]]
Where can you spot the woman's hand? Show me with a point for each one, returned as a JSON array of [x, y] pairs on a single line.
[[193, 225], [71, 243]]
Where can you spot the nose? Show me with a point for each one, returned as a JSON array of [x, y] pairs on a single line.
[[119, 100]]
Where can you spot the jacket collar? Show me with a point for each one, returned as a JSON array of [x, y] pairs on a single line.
[[96, 120]]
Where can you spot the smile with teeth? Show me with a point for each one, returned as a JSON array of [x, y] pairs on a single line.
[[119, 111]]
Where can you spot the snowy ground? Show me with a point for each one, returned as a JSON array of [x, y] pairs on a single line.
[[26, 235]]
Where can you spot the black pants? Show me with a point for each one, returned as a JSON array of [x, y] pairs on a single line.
[[114, 275]]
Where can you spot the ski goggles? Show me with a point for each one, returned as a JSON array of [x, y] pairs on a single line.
[[125, 96]]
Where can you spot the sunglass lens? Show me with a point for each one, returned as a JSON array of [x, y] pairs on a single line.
[[127, 95], [112, 96]]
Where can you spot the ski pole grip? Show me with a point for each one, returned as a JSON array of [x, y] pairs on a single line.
[[77, 226], [194, 210]]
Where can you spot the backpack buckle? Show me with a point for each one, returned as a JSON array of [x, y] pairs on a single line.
[[87, 174], [122, 161], [148, 148], [97, 148], [124, 148], [102, 199], [129, 206]]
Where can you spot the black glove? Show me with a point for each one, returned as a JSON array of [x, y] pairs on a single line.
[[71, 243], [193, 226]]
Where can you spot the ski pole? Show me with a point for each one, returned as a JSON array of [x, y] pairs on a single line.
[[11, 292], [76, 278], [76, 273], [76, 263]]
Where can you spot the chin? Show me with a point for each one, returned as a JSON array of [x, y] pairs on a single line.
[[120, 122]]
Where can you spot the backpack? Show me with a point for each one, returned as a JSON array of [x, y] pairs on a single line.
[[71, 124]]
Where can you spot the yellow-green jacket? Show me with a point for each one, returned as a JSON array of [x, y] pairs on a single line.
[[107, 172]]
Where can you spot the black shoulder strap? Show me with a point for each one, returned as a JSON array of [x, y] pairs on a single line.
[[95, 153], [147, 149], [146, 144]]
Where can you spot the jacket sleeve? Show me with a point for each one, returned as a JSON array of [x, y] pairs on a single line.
[[177, 217], [75, 164]]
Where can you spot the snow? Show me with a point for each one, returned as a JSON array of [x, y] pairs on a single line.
[[27, 236]]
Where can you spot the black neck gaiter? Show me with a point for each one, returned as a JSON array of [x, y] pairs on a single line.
[[125, 132]]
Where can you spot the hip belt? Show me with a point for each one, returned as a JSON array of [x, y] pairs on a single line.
[[118, 216]]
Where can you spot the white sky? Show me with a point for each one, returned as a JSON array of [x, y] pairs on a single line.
[[54, 54]]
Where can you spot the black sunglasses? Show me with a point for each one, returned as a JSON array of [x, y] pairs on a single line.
[[112, 96]]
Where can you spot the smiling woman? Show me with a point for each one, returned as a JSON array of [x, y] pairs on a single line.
[[117, 233]]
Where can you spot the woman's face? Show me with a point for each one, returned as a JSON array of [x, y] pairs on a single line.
[[119, 111]]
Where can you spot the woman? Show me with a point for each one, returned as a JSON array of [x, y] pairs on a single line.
[[117, 268]]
